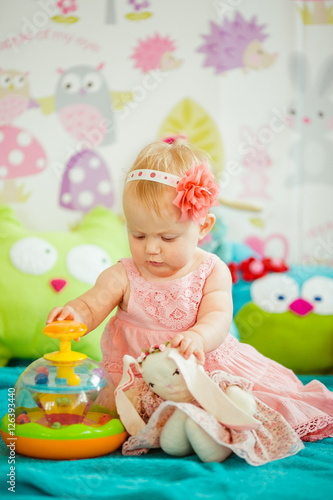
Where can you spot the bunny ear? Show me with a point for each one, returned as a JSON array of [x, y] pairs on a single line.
[[126, 411], [299, 72], [325, 78], [210, 396]]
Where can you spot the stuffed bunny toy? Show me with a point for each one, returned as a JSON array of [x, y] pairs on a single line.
[[185, 388], [311, 115]]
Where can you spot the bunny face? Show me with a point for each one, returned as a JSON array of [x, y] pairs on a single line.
[[311, 112], [311, 115], [164, 378]]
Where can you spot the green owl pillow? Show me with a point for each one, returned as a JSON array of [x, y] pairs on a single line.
[[286, 314], [41, 270]]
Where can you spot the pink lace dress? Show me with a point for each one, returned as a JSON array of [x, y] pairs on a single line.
[[157, 310]]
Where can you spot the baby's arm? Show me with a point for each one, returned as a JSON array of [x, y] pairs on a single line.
[[93, 307], [213, 319]]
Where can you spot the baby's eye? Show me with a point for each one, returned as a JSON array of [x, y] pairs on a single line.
[[176, 372], [165, 238], [151, 384], [139, 237]]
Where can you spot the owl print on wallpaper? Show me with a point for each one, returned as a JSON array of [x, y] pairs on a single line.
[[85, 105], [15, 95]]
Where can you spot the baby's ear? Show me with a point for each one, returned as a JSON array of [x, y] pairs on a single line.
[[206, 226]]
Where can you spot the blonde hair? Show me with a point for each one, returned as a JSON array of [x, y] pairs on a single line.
[[175, 158]]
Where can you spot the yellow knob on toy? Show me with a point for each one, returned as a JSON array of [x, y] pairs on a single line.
[[65, 359]]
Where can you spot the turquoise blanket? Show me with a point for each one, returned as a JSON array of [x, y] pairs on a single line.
[[306, 476]]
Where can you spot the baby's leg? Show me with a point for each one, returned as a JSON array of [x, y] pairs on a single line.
[[173, 439]]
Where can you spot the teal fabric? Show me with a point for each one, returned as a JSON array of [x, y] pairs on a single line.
[[306, 476]]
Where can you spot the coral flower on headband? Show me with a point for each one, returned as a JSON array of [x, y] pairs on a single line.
[[196, 193]]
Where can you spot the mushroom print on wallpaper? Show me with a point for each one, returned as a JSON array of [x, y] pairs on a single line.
[[21, 154], [86, 182], [236, 44]]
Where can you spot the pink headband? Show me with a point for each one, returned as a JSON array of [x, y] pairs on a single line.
[[196, 190]]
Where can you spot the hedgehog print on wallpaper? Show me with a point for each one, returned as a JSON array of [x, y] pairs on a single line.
[[236, 44], [155, 52]]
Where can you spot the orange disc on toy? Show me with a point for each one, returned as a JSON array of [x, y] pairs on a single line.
[[66, 328]]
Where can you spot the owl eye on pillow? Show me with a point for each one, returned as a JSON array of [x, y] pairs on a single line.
[[41, 270]]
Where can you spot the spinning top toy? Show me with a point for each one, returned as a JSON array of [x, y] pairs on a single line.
[[56, 410]]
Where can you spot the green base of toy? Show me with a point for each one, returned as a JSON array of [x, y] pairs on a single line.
[[67, 441]]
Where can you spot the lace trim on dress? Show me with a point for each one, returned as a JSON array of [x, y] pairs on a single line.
[[173, 304], [312, 431]]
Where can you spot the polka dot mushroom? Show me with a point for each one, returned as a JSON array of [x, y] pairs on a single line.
[[20, 155], [86, 182]]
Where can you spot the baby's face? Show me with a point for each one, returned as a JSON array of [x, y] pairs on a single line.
[[160, 245]]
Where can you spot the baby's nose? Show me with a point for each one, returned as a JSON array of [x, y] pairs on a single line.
[[152, 247]]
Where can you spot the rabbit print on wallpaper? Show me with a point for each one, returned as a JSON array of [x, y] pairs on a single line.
[[311, 115]]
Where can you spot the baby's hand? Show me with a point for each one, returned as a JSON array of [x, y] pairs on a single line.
[[189, 343], [62, 313]]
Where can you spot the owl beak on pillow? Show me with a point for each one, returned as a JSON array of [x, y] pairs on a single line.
[[58, 284], [301, 307]]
